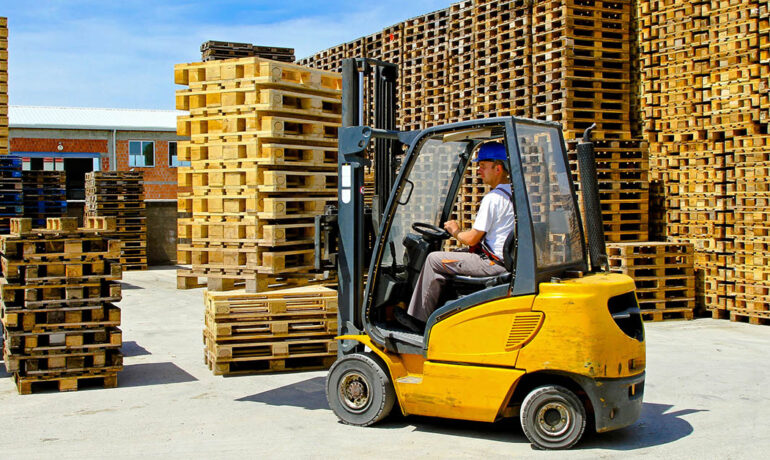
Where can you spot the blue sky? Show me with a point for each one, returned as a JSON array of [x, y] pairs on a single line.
[[121, 54]]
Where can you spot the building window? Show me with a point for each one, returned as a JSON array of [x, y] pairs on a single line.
[[141, 153], [173, 161]]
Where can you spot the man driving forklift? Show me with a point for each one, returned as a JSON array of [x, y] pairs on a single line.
[[494, 222]]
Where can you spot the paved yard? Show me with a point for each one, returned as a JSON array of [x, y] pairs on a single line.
[[705, 398]]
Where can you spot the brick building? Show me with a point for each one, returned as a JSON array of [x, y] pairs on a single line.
[[80, 140]]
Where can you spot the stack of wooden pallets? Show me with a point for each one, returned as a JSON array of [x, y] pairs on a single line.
[[120, 194], [622, 167], [739, 40], [502, 48], [263, 144], [45, 195], [704, 68], [290, 329], [664, 277], [4, 147], [59, 286], [215, 50], [11, 198], [581, 57]]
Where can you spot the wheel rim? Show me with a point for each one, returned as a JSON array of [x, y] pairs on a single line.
[[554, 419], [354, 392]]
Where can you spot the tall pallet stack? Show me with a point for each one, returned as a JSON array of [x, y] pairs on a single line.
[[664, 277], [263, 153], [425, 70], [59, 286], [582, 58], [704, 80], [45, 195], [752, 175], [502, 53], [582, 75], [4, 146], [11, 198], [291, 329], [120, 194]]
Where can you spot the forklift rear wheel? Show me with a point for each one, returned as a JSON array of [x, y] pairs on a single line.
[[359, 389], [553, 417]]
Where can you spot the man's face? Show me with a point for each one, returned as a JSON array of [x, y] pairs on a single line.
[[488, 171]]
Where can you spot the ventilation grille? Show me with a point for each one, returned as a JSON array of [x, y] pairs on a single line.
[[525, 326]]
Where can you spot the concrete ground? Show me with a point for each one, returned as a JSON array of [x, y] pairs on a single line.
[[705, 398]]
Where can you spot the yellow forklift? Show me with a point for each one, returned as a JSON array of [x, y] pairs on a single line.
[[557, 340]]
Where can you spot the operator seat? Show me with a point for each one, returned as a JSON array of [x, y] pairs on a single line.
[[478, 282]]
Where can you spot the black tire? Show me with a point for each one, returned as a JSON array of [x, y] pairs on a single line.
[[359, 389], [553, 417]]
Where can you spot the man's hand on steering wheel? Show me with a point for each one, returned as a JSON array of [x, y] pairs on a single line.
[[452, 227]]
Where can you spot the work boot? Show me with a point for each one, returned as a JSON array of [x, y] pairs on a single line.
[[407, 321]]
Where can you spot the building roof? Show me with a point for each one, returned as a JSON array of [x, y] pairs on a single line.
[[91, 118]]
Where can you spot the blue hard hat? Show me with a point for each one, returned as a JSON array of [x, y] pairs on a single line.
[[491, 151]]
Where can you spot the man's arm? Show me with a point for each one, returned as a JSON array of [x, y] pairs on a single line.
[[469, 237]]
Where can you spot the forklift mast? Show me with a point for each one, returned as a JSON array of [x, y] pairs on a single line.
[[356, 232]]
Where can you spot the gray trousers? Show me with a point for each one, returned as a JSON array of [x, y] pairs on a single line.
[[433, 276]]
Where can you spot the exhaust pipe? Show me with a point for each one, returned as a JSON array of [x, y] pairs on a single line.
[[589, 184]]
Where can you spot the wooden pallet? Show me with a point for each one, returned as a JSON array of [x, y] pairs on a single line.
[[250, 280], [243, 329], [244, 180], [277, 349], [59, 272], [242, 97], [293, 364], [279, 75], [251, 149], [297, 302], [63, 363], [79, 317], [26, 385], [61, 340], [749, 316], [667, 314]]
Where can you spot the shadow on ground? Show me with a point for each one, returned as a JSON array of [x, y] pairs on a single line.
[[658, 424], [309, 394], [133, 349], [129, 286], [139, 375]]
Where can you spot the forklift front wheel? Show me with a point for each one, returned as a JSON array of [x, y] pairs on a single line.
[[553, 417], [359, 389]]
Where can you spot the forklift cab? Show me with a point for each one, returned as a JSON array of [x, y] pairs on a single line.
[[547, 237]]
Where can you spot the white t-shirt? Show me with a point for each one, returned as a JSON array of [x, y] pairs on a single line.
[[496, 218]]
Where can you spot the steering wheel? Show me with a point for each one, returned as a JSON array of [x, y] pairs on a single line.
[[431, 231]]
